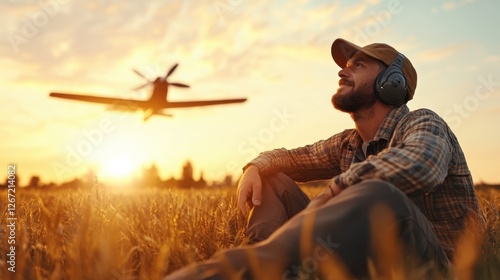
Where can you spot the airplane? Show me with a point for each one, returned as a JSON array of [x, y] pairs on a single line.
[[155, 104]]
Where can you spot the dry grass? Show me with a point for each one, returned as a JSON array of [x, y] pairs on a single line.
[[145, 234], [488, 266], [109, 235]]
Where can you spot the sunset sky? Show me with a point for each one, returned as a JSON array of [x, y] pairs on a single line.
[[277, 55]]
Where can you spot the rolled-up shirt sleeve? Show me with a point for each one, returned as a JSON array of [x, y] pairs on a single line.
[[312, 162]]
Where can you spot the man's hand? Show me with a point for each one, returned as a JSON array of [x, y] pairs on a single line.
[[249, 188], [331, 191]]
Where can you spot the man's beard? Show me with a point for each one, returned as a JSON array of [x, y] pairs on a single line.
[[361, 98]]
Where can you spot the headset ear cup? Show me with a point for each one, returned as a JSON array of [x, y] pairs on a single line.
[[390, 85]]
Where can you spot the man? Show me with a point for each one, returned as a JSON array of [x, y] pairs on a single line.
[[398, 178]]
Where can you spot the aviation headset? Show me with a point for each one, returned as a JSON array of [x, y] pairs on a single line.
[[391, 87]]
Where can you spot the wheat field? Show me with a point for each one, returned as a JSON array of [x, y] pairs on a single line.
[[101, 233]]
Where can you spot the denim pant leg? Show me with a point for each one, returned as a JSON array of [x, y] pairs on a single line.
[[281, 199], [340, 231], [334, 237]]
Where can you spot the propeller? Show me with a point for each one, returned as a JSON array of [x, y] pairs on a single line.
[[165, 78], [141, 75], [171, 70], [142, 86], [178, 85]]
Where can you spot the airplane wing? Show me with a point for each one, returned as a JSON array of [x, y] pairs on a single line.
[[183, 104], [116, 102]]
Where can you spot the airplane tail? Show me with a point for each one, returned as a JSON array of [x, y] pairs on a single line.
[[150, 112]]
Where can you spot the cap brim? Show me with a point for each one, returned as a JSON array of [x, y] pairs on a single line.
[[343, 50]]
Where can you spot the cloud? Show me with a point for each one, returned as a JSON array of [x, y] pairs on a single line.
[[90, 47], [354, 13], [86, 35], [95, 42], [494, 59], [440, 53], [451, 5]]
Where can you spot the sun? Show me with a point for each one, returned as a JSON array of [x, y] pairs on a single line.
[[117, 167], [119, 158]]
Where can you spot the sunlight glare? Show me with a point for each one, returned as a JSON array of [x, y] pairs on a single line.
[[117, 167]]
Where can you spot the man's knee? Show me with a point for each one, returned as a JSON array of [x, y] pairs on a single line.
[[376, 187], [278, 177], [278, 182], [374, 183], [371, 192]]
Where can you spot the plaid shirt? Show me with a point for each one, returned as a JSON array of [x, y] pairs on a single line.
[[415, 151]]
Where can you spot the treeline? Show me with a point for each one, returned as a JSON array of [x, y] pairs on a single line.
[[149, 178]]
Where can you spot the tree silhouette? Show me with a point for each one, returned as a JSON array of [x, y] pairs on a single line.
[[201, 182], [228, 181], [150, 177], [187, 180], [34, 182]]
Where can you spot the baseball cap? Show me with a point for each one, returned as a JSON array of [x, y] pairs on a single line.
[[343, 50]]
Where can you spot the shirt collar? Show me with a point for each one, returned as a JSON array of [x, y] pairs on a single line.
[[386, 128], [389, 124]]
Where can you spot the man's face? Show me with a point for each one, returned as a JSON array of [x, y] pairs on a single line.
[[356, 84]]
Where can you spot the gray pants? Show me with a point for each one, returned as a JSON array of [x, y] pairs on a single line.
[[370, 222]]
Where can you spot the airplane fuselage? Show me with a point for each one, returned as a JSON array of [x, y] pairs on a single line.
[[159, 95]]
